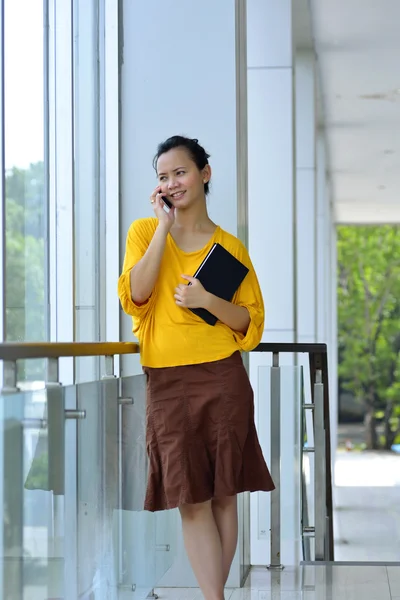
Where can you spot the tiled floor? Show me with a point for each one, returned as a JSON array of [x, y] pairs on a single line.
[[367, 530], [309, 583]]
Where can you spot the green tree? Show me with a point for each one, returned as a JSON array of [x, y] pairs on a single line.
[[369, 324], [25, 261]]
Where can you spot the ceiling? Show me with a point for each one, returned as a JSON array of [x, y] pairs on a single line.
[[357, 43]]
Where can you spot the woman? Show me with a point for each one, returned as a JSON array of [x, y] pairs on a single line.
[[201, 438]]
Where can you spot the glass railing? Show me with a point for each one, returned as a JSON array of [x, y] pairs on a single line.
[[73, 467], [73, 481], [301, 508]]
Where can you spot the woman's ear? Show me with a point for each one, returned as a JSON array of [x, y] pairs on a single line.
[[206, 174]]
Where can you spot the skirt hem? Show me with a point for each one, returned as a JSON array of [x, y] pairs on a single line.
[[178, 503]]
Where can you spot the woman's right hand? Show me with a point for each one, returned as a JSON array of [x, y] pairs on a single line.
[[166, 218]]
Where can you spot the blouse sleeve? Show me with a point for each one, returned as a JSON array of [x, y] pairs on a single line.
[[137, 242], [249, 295]]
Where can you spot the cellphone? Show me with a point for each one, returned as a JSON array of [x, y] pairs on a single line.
[[166, 201]]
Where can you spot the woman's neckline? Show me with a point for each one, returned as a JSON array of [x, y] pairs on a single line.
[[199, 250]]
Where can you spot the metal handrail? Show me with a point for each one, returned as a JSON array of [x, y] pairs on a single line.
[[11, 351], [288, 347], [25, 350]]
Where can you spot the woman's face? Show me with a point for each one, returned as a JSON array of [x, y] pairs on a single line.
[[180, 179]]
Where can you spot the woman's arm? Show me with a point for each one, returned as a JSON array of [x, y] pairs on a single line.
[[143, 275], [236, 317], [195, 296]]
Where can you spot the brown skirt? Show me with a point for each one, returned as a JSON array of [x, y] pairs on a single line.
[[201, 438]]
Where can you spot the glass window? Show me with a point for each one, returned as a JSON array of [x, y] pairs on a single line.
[[25, 178]]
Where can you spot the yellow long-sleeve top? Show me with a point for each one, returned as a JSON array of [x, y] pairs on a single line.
[[170, 335]]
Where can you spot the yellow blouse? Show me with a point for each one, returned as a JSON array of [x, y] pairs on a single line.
[[170, 335]]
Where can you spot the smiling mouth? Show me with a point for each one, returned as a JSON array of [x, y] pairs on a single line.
[[177, 195]]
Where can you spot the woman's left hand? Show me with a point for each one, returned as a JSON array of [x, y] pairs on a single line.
[[191, 296]]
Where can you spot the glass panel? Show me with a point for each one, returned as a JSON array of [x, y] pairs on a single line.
[[32, 478], [97, 486], [149, 541], [121, 548], [291, 393], [25, 179], [74, 477]]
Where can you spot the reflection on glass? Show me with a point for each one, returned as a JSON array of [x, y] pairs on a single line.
[[25, 210], [30, 495], [73, 490]]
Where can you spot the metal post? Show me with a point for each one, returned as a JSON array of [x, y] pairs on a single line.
[[52, 372], [109, 367], [56, 457], [276, 464], [75, 414], [121, 403], [120, 548], [327, 538], [319, 468]]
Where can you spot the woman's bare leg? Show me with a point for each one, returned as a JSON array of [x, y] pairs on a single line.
[[226, 518], [204, 549]]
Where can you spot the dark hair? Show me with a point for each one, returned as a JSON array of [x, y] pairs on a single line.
[[196, 152]]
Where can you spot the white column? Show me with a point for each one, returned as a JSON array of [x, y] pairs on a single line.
[[271, 161], [87, 186], [326, 280], [306, 246], [322, 248], [333, 335], [61, 184], [272, 244], [183, 72], [110, 322]]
